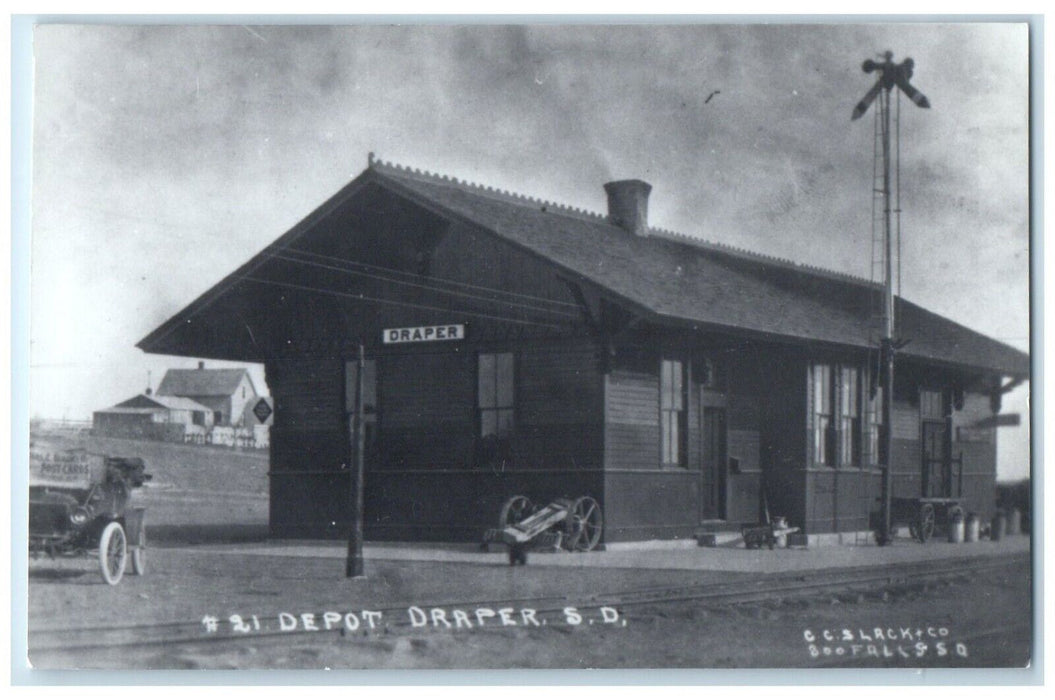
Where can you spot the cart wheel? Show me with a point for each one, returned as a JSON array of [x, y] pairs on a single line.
[[139, 551], [514, 510], [925, 525], [113, 551], [583, 525]]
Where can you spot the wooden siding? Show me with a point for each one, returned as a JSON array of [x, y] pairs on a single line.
[[906, 460], [309, 447], [650, 504], [558, 408], [978, 448], [632, 420], [840, 500], [426, 409], [784, 436], [458, 505]]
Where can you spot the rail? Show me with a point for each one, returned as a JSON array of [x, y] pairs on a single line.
[[785, 586]]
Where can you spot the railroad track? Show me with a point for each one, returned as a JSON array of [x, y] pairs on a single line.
[[769, 588]]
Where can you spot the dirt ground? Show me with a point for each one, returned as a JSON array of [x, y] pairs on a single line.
[[207, 495], [988, 617]]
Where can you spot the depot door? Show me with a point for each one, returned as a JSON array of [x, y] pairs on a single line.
[[937, 469], [713, 479]]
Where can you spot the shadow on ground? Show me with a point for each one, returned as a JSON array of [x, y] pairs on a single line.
[[220, 533]]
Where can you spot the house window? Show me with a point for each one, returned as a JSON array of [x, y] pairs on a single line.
[[672, 412], [494, 409], [849, 416], [823, 404]]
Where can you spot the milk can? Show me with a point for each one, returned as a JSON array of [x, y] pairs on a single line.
[[956, 527], [1014, 522], [973, 528], [999, 525]]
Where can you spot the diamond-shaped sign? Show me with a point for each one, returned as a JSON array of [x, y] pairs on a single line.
[[262, 411]]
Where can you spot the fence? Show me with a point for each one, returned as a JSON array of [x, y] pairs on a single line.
[[256, 437]]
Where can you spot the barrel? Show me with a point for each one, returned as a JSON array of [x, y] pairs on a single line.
[[999, 526], [956, 530], [974, 526], [1014, 522]]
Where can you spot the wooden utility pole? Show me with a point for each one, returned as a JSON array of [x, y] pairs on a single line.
[[891, 75], [354, 564], [886, 347]]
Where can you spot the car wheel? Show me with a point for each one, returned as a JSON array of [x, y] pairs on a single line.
[[113, 553], [139, 553]]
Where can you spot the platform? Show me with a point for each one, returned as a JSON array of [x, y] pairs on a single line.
[[676, 555]]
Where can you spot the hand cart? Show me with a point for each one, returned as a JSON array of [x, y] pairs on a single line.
[[571, 524]]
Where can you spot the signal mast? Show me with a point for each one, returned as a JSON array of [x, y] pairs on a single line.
[[891, 75]]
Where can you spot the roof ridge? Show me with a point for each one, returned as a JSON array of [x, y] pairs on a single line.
[[485, 190], [694, 241], [517, 198]]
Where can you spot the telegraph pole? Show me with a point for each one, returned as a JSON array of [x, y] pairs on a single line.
[[891, 75], [353, 567], [886, 348]]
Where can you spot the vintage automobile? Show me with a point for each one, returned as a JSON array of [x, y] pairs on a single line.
[[79, 504]]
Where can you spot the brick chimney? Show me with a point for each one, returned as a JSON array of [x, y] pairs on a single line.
[[628, 205]]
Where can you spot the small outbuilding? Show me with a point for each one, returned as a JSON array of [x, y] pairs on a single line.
[[516, 346], [152, 417]]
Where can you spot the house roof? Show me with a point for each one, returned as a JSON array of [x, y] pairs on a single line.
[[149, 403], [668, 278], [201, 382]]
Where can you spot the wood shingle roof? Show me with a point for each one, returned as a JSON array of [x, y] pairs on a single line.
[[668, 278], [683, 280]]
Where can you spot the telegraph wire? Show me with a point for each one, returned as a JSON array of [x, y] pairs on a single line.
[[379, 268], [418, 285], [424, 307]]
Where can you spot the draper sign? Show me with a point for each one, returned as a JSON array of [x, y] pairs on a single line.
[[425, 334]]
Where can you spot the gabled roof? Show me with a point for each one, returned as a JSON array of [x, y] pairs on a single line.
[[665, 277], [201, 382], [684, 279], [152, 402]]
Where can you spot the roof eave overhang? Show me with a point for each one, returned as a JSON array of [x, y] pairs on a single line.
[[151, 342], [687, 323]]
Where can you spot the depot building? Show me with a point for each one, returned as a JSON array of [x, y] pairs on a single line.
[[520, 347]]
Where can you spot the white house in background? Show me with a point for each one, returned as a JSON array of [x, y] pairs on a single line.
[[225, 392]]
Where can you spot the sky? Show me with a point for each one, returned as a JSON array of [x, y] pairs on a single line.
[[166, 156]]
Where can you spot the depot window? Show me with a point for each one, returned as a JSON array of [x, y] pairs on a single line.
[[837, 409], [849, 416], [876, 446], [673, 418], [495, 394]]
